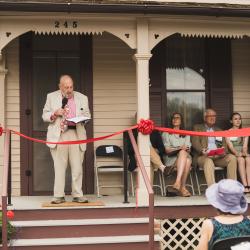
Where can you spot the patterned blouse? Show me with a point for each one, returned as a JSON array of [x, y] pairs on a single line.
[[237, 143], [223, 231], [174, 141]]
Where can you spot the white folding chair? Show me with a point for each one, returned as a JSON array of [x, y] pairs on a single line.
[[160, 180], [199, 183], [158, 185], [108, 159], [191, 185]]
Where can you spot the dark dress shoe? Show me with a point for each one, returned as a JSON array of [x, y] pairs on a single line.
[[80, 200], [58, 200]]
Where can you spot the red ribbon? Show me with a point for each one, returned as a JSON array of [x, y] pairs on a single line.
[[146, 127], [226, 133], [73, 142]]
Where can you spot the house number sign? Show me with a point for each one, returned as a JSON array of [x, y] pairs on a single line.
[[66, 24]]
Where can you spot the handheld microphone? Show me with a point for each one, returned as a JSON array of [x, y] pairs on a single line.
[[64, 102]]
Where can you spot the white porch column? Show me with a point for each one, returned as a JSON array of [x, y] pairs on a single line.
[[3, 73], [142, 77]]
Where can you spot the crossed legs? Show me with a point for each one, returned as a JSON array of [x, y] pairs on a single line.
[[183, 164]]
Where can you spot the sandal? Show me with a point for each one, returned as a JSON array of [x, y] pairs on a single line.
[[247, 188], [177, 187], [185, 193]]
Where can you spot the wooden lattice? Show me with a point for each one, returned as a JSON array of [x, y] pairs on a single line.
[[180, 234]]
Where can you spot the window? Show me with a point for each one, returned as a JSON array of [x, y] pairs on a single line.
[[189, 74], [185, 94], [185, 81]]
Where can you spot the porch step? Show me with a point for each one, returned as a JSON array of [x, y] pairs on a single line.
[[135, 242], [80, 228], [80, 213], [92, 228]]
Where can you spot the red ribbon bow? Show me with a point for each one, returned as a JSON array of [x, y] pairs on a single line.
[[1, 131], [146, 127], [10, 215]]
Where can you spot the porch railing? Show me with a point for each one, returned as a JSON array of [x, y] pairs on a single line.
[[149, 189], [6, 166], [7, 151]]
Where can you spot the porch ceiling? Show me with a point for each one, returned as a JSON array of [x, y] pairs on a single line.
[[122, 26], [181, 7], [208, 3]]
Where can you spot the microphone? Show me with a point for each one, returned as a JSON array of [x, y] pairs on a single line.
[[64, 102]]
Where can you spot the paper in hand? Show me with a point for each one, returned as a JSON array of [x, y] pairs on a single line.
[[78, 119], [218, 151]]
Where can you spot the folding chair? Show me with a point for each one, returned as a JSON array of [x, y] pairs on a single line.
[[191, 185], [160, 179], [199, 184], [234, 243], [108, 159]]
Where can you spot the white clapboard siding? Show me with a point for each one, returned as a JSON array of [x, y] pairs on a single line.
[[114, 87], [13, 109], [241, 78], [115, 97]]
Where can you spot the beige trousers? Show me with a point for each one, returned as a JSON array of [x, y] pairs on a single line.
[[207, 163], [156, 162], [62, 156]]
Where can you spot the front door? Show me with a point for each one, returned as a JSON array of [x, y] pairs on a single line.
[[43, 59]]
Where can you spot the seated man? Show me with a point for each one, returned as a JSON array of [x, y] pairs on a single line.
[[157, 151], [202, 145]]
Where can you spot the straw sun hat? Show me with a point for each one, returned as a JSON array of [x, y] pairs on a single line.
[[228, 196]]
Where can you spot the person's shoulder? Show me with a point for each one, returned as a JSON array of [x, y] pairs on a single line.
[[247, 219], [207, 224], [54, 93], [199, 126], [78, 94], [217, 128], [156, 133], [164, 134]]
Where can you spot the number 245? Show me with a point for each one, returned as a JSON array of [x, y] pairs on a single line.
[[66, 24]]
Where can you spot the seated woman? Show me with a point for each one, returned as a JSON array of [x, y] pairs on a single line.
[[239, 147], [227, 196], [177, 148]]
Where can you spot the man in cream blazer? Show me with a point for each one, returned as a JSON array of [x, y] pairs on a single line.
[[54, 113], [201, 146]]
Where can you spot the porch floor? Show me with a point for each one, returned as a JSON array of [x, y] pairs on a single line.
[[112, 201]]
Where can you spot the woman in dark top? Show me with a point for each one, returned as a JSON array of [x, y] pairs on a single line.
[[229, 199], [157, 151]]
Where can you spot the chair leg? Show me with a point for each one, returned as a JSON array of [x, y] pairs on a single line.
[[132, 184], [164, 184], [191, 182], [197, 181], [223, 176], [160, 182], [97, 184]]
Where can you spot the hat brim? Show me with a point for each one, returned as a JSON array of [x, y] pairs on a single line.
[[215, 201]]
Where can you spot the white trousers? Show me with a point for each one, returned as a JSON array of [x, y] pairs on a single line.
[[62, 156]]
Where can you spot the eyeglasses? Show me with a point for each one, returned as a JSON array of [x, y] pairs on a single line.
[[210, 115], [176, 117]]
